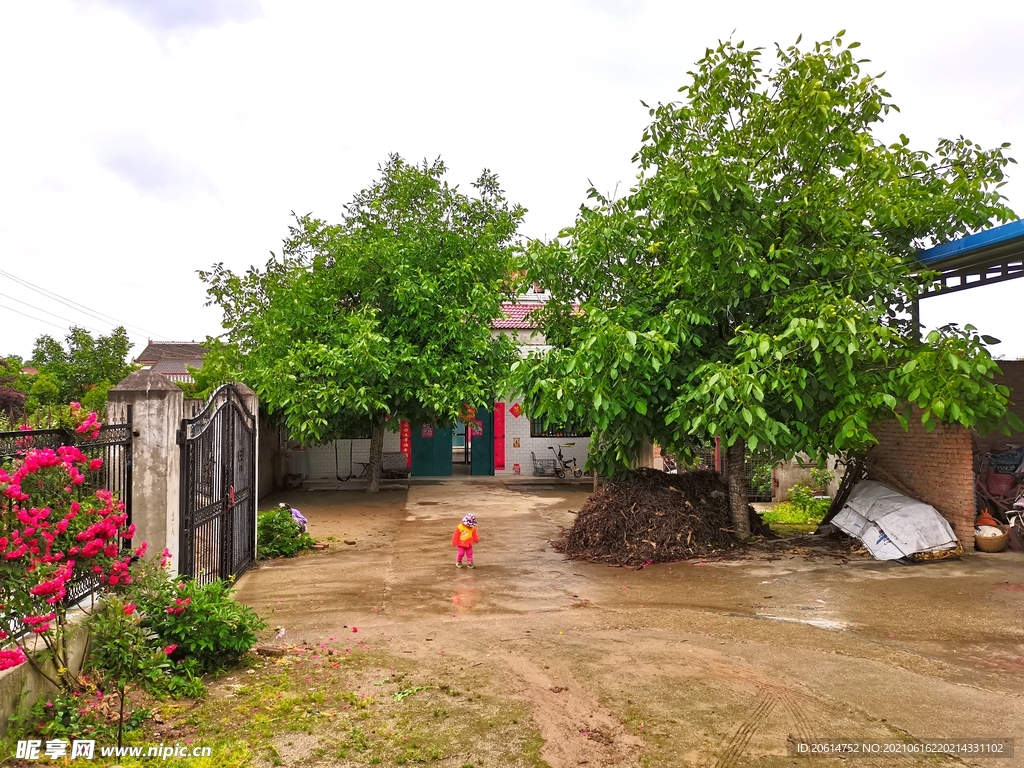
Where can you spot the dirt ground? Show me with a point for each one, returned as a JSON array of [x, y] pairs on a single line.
[[685, 664]]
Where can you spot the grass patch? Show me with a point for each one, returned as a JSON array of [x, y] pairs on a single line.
[[793, 529], [802, 509], [787, 513], [357, 707]]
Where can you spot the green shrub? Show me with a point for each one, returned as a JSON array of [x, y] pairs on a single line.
[[124, 652], [822, 477], [212, 628], [96, 398], [203, 627], [801, 509], [280, 536]]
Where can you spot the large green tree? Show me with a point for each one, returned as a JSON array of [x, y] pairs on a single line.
[[69, 371], [384, 315], [756, 284], [12, 388]]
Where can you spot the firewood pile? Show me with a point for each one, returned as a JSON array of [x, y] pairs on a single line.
[[654, 517]]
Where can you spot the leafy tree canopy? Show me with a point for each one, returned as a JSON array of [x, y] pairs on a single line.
[[80, 363], [221, 365], [755, 285], [385, 314], [12, 387]]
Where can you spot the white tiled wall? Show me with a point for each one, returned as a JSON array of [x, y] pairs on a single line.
[[320, 463], [539, 445], [319, 460]]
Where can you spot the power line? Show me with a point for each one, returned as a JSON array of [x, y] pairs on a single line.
[[96, 314], [48, 312], [30, 317]]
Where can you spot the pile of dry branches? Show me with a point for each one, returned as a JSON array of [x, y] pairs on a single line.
[[653, 517]]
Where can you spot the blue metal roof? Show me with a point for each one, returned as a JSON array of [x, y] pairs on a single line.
[[983, 258], [1005, 241]]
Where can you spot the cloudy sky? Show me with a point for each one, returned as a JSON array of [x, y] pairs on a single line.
[[142, 140]]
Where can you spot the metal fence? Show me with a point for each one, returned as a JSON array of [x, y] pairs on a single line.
[[757, 468]]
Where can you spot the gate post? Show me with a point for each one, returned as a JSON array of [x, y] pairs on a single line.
[[156, 459]]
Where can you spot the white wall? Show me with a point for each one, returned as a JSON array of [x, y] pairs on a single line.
[[320, 458], [520, 428]]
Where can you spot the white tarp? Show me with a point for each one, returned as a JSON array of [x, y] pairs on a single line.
[[892, 525]]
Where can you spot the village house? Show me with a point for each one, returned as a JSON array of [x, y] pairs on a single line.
[[502, 440], [172, 359]]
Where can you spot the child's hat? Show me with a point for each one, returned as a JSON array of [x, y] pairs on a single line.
[[469, 520]]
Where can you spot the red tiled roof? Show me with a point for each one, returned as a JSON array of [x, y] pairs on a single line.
[[517, 316]]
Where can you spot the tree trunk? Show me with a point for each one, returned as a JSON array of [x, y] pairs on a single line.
[[735, 459], [376, 454]]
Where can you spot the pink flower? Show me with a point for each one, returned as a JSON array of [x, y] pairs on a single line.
[[95, 464], [129, 609], [10, 659], [171, 648]]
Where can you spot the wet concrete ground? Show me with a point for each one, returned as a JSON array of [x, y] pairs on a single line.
[[690, 663]]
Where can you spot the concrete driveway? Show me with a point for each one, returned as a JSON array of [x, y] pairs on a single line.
[[691, 663]]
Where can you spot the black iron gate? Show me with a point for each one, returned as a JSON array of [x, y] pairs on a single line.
[[218, 489]]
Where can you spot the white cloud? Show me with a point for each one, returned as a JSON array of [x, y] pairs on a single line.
[[147, 139], [133, 158], [166, 16]]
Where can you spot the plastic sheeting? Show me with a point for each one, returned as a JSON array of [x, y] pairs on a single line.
[[892, 525]]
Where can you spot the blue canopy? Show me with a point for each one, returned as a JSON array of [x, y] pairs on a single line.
[[983, 258]]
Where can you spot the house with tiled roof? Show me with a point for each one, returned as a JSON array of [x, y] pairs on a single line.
[[502, 439], [172, 359], [519, 323]]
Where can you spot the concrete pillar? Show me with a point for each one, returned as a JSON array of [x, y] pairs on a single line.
[[156, 458]]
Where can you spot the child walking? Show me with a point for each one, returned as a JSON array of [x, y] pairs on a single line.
[[464, 538]]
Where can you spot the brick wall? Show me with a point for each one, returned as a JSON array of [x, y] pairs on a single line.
[[936, 466], [939, 466]]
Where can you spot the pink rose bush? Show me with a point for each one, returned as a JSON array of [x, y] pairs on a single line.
[[11, 658], [52, 533]]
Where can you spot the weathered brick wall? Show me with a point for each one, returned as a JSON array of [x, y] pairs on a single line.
[[936, 466], [1013, 377]]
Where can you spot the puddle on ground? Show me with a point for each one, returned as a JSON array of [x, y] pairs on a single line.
[[820, 623]]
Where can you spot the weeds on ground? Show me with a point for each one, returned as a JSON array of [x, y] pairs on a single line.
[[801, 509], [363, 708]]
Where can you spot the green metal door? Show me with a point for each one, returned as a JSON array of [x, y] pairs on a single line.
[[482, 447], [431, 450]]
